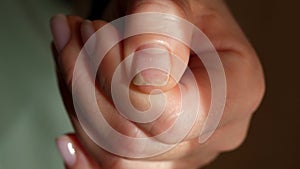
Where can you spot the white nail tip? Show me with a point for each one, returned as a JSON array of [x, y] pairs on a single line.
[[151, 66], [140, 81]]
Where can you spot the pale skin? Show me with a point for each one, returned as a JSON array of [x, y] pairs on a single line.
[[244, 76]]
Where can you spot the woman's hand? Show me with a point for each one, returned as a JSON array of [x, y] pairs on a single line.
[[244, 76]]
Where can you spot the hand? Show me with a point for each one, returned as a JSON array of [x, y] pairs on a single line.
[[244, 75]]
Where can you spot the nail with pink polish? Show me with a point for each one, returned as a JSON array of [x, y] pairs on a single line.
[[60, 30], [87, 31], [67, 150]]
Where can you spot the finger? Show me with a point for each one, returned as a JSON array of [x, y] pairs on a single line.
[[95, 45], [61, 32], [162, 48], [158, 49], [66, 63], [66, 60], [66, 38], [106, 160], [73, 154]]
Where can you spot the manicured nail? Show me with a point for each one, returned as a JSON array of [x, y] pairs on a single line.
[[67, 150], [157, 61], [60, 30], [87, 30]]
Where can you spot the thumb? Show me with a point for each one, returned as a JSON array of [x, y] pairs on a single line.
[[150, 48], [162, 53], [73, 154]]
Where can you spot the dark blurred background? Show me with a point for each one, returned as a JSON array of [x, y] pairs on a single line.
[[32, 115]]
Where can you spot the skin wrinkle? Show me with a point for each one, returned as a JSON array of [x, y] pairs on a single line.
[[167, 120]]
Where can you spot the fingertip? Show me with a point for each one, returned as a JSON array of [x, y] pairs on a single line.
[[73, 154], [67, 150], [60, 30], [87, 30]]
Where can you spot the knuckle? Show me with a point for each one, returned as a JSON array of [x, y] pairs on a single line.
[[256, 82], [245, 81], [234, 144], [236, 134]]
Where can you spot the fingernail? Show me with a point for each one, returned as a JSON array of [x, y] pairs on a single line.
[[67, 150], [87, 30], [151, 77], [156, 59], [60, 30]]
